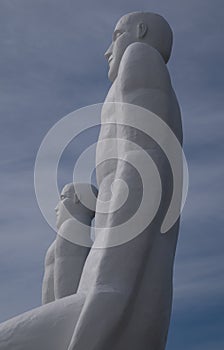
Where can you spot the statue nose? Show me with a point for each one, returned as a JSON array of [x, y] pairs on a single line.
[[108, 53]]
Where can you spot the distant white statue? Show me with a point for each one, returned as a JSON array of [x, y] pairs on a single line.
[[131, 284], [124, 296], [65, 259]]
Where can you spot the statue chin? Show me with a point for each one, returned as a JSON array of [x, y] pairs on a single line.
[[113, 71], [112, 76]]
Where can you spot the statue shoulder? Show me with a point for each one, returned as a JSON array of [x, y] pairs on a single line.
[[72, 233], [50, 255], [143, 67]]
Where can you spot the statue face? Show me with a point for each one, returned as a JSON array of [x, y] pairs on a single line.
[[70, 204], [124, 35], [66, 206]]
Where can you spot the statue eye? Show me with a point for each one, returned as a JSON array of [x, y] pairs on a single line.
[[62, 197], [116, 35]]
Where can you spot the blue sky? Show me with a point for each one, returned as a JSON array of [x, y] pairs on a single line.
[[51, 63]]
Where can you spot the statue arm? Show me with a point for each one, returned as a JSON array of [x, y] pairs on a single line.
[[48, 280], [69, 261], [144, 80], [142, 66]]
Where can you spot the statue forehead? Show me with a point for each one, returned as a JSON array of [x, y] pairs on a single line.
[[124, 22], [78, 188], [68, 188], [129, 19]]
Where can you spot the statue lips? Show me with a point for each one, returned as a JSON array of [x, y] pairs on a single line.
[[110, 59]]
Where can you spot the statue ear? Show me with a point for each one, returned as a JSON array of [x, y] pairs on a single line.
[[142, 29]]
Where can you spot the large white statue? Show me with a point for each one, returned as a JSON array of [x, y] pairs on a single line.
[[131, 284], [124, 296]]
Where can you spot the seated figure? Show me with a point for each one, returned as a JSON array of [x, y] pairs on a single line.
[[65, 259], [51, 326]]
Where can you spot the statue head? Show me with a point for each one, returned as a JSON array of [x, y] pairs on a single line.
[[145, 27], [77, 200]]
